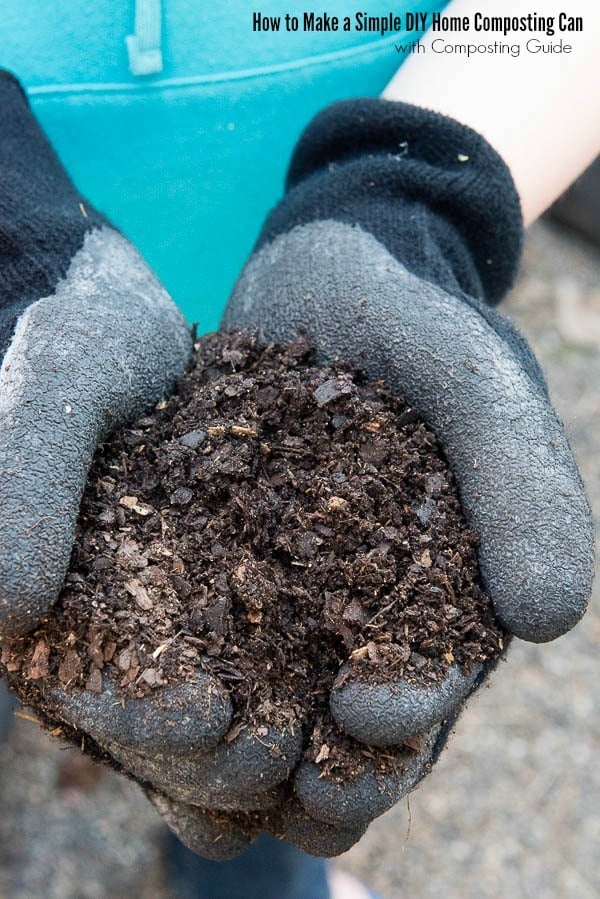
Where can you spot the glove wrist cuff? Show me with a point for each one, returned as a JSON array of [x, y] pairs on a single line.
[[392, 153]]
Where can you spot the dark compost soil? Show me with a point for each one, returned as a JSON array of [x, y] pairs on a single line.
[[268, 523]]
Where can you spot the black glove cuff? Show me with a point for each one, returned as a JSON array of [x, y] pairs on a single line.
[[43, 219], [377, 163]]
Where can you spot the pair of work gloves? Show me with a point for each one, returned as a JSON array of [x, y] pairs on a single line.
[[398, 232]]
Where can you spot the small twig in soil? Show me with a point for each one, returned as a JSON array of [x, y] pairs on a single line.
[[385, 609], [164, 646]]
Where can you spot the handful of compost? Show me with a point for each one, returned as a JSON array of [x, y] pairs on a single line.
[[272, 613], [286, 541]]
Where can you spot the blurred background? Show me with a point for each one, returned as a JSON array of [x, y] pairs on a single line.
[[513, 806]]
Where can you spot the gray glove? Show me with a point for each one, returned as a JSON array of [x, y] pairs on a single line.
[[398, 231], [89, 339]]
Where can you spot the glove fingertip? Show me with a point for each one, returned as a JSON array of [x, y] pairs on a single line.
[[192, 716], [388, 714], [216, 836], [250, 764], [295, 825], [20, 610], [554, 593], [34, 555], [357, 802]]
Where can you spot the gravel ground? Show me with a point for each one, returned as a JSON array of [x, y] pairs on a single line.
[[512, 808]]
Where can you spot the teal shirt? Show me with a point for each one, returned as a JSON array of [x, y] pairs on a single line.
[[186, 159]]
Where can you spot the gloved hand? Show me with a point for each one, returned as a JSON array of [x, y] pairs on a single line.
[[399, 230], [89, 339]]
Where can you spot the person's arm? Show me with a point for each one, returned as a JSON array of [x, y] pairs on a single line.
[[541, 111], [399, 229]]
